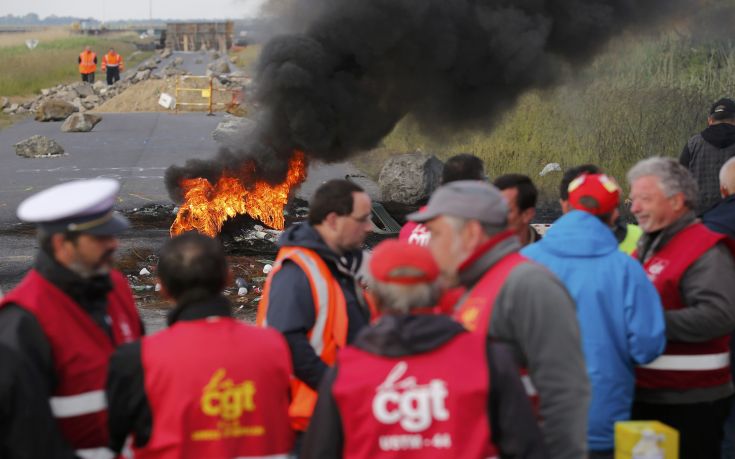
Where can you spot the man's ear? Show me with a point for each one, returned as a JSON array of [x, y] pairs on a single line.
[[528, 215], [164, 292], [724, 192], [565, 207], [330, 220], [677, 201]]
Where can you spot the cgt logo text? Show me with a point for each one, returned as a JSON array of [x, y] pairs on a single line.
[[414, 407]]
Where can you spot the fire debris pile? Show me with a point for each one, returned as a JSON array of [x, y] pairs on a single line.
[[345, 73]]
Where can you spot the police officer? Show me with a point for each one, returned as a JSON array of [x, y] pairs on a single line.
[[70, 311], [209, 385], [416, 384]]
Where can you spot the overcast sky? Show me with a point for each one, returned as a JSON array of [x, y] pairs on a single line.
[[110, 10]]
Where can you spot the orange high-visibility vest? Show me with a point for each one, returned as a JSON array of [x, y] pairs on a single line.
[[112, 60], [86, 62], [329, 332]]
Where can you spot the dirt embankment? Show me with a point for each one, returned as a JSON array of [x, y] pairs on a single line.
[[141, 97]]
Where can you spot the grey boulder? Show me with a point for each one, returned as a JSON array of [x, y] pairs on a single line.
[[80, 122], [409, 178], [54, 110], [38, 146]]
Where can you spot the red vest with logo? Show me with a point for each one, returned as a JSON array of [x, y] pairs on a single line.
[[417, 406], [81, 350], [217, 388], [476, 308], [684, 365]]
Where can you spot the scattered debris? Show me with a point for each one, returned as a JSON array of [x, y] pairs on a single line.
[[38, 146], [267, 268], [242, 291], [54, 110], [80, 122], [551, 167], [145, 272]]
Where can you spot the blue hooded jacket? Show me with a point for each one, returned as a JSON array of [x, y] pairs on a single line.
[[619, 311]]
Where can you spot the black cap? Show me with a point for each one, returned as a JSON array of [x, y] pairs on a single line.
[[723, 109]]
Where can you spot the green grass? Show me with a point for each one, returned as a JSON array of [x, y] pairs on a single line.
[[25, 72], [246, 57]]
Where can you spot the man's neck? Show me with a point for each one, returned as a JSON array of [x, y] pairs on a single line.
[[324, 234]]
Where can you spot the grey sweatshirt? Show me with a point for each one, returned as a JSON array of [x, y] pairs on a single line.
[[535, 314]]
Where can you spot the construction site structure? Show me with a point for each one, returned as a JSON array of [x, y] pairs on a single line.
[[195, 36]]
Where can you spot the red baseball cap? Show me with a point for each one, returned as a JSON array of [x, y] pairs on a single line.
[[391, 257], [597, 194]]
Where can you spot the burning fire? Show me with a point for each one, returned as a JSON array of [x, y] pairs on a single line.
[[206, 207]]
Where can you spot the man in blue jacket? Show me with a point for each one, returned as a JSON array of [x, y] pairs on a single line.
[[619, 311]]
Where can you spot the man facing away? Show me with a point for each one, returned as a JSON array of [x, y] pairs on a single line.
[[312, 295], [620, 315], [420, 376], [87, 64], [721, 218], [68, 314], [472, 246], [112, 65], [208, 385], [689, 387], [705, 153]]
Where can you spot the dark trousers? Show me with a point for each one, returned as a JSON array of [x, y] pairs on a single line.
[[113, 74], [699, 425], [88, 77]]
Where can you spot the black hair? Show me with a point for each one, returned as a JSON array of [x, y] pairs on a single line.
[[332, 196], [463, 166], [527, 192], [192, 267], [573, 173]]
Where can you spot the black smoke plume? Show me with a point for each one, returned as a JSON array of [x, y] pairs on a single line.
[[357, 67]]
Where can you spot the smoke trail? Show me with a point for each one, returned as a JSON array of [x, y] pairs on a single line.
[[357, 67]]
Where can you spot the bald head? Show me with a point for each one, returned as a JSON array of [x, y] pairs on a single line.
[[727, 178]]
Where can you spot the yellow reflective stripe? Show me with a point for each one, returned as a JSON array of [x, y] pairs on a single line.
[[701, 362], [95, 453], [322, 307], [77, 405]]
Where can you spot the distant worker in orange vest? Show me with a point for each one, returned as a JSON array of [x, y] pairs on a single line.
[[312, 295], [87, 64], [208, 386], [112, 64]]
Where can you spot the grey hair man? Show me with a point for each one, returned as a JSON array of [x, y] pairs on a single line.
[[411, 351], [707, 151], [473, 248], [721, 218], [689, 386]]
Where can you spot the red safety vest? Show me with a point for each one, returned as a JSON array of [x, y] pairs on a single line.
[[217, 389], [81, 350], [475, 310], [416, 406], [329, 332], [86, 62], [684, 365]]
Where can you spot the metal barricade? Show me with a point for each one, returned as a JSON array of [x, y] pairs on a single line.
[[207, 90]]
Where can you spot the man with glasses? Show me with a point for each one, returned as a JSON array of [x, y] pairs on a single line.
[[312, 295]]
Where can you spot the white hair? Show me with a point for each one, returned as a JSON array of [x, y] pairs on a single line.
[[673, 177], [402, 298], [727, 175]]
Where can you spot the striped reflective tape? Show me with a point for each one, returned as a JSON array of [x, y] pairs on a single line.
[[95, 453], [77, 405], [528, 386], [701, 362], [322, 309]]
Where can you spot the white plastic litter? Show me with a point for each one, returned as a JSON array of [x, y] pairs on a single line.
[[242, 291], [167, 101], [267, 269], [158, 287], [144, 272], [551, 167]]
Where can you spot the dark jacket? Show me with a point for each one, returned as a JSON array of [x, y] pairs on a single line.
[[22, 334], [721, 218], [128, 408], [704, 155], [534, 312], [291, 305], [707, 289], [514, 427]]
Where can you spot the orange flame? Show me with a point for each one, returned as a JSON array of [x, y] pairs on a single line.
[[206, 207]]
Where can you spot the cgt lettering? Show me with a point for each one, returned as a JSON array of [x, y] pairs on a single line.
[[223, 398], [411, 405]]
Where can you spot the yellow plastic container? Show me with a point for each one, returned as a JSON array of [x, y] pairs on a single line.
[[629, 433]]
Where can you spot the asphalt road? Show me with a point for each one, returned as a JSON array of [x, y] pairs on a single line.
[[134, 148]]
